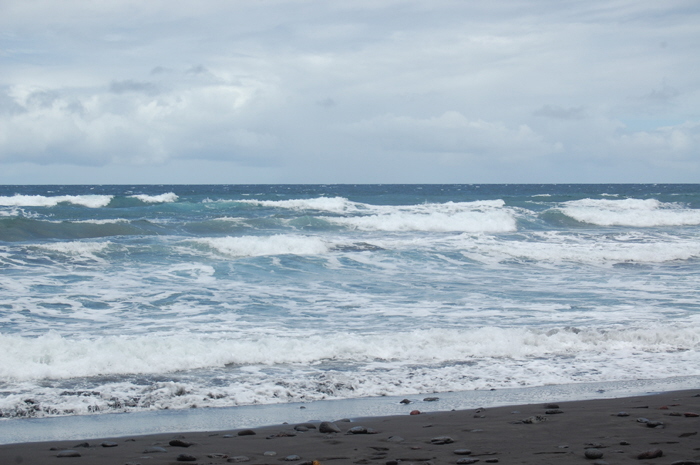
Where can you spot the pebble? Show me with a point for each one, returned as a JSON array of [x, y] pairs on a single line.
[[186, 458], [491, 460], [650, 454], [624, 443], [291, 458], [593, 454], [467, 461], [109, 444], [551, 406], [415, 412], [179, 443], [655, 424], [328, 427], [622, 414], [395, 439], [431, 399], [442, 440], [534, 419], [68, 453], [462, 452], [82, 444], [553, 411], [360, 430], [246, 432], [691, 414], [239, 459], [405, 401], [269, 453]]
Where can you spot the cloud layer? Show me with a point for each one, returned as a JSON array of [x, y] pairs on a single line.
[[380, 91]]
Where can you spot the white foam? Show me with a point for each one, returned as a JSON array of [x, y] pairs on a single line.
[[52, 356], [558, 248], [630, 212], [329, 204], [75, 247], [162, 198], [496, 221], [91, 201], [256, 246]]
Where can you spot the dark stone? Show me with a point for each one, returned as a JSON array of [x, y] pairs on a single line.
[[291, 458], [328, 427], [642, 420], [395, 439], [462, 452], [246, 432], [655, 424], [186, 458], [82, 444], [691, 414], [179, 443], [622, 414], [624, 443], [301, 428], [405, 401], [534, 419], [68, 453], [467, 460], [442, 440], [431, 399], [109, 444], [553, 411], [491, 460], [650, 454], [685, 435], [593, 454], [551, 406]]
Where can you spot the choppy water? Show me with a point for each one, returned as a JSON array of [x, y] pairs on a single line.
[[128, 298]]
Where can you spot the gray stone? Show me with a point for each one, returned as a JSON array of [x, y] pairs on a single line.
[[593, 454], [239, 459], [246, 432], [462, 452], [467, 460], [109, 444], [186, 458], [154, 450], [291, 458], [68, 453], [328, 427], [442, 440]]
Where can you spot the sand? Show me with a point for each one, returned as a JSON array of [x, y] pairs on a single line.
[[619, 430]]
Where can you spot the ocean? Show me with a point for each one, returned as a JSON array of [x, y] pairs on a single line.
[[142, 298]]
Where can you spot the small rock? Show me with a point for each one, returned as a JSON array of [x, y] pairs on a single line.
[[217, 456], [686, 435], [246, 432], [301, 428], [622, 414], [534, 419], [186, 458], [624, 443], [553, 411], [154, 450], [600, 462], [491, 460], [467, 460], [360, 430], [642, 420], [238, 459], [227, 436], [82, 444], [395, 439], [405, 401], [109, 444], [328, 427], [179, 443], [650, 454], [431, 399], [655, 424], [442, 440], [269, 453], [551, 406], [68, 453], [291, 458], [415, 412], [462, 452], [691, 414], [593, 454]]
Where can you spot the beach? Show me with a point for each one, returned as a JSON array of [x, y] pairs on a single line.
[[657, 429]]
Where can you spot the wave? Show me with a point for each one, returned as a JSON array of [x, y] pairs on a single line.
[[162, 198], [53, 356], [630, 212], [257, 246], [592, 250], [329, 204], [91, 201]]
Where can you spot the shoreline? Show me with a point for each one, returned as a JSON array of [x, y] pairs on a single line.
[[74, 427], [553, 431]]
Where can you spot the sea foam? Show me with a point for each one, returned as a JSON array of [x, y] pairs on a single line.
[[91, 201], [630, 212]]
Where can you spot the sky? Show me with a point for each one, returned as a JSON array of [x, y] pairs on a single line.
[[355, 91]]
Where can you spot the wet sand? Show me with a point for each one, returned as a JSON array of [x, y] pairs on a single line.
[[664, 426]]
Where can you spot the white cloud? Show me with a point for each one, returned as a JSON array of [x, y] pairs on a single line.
[[554, 89]]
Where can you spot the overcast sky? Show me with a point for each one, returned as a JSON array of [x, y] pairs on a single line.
[[349, 91]]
